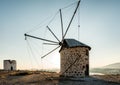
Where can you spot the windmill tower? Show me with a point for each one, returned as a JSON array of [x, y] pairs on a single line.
[[74, 59], [74, 54]]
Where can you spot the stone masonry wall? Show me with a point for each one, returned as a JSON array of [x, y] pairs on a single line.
[[76, 59], [9, 65]]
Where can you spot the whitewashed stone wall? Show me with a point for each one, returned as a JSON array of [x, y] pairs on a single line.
[[79, 57], [9, 65]]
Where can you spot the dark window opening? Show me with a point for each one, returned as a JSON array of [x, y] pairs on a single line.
[[86, 58], [83, 67], [87, 53], [11, 68]]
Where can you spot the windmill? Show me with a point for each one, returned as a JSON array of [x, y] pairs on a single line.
[[74, 54]]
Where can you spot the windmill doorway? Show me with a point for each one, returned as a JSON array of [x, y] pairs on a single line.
[[11, 68], [87, 70]]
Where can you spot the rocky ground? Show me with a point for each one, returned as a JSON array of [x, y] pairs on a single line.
[[46, 78]]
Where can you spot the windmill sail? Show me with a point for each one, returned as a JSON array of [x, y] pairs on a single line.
[[59, 42]]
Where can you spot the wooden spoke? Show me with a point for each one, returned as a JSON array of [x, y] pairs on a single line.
[[40, 38]]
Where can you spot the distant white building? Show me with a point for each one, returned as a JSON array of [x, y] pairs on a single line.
[[9, 65]]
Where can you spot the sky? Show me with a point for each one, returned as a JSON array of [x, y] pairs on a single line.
[[99, 28]]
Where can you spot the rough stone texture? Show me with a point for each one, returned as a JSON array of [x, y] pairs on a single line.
[[74, 62], [9, 65]]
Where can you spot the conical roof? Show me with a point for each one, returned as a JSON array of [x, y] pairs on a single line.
[[70, 43]]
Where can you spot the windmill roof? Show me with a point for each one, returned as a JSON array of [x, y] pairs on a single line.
[[74, 43]]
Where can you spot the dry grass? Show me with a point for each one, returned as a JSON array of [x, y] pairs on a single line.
[[47, 78], [110, 78]]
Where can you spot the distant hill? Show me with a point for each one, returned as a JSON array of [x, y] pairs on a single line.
[[113, 66], [108, 69]]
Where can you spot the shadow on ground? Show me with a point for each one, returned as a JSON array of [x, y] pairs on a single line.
[[85, 81]]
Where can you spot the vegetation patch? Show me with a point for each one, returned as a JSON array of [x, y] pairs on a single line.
[[20, 74]]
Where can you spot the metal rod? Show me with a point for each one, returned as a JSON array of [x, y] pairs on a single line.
[[50, 44], [50, 52], [71, 19], [61, 23], [40, 38], [53, 33]]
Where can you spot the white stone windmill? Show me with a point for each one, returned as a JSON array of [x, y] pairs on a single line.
[[74, 54]]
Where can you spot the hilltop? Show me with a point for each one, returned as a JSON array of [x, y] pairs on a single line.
[[51, 78], [108, 69], [114, 65]]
